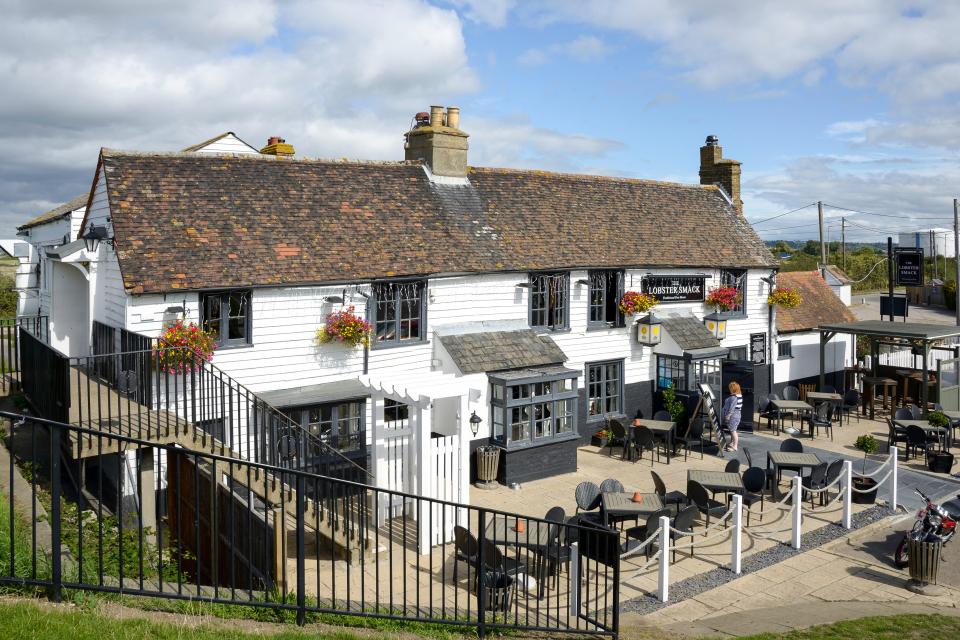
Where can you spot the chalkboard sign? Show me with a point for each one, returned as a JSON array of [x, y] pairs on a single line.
[[908, 266], [897, 306], [675, 288], [758, 348]]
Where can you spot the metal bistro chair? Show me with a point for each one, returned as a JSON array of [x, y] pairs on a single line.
[[851, 404], [754, 482], [587, 496], [644, 440]]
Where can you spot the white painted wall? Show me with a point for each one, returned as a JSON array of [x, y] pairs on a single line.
[[69, 313], [806, 356], [228, 144]]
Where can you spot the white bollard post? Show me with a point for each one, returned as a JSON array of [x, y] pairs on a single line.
[[663, 583], [893, 479], [847, 494], [736, 538], [797, 512], [574, 578]]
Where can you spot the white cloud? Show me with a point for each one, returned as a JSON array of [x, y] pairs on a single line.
[[581, 49], [490, 12]]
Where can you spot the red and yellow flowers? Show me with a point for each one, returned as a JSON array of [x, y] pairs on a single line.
[[346, 327], [724, 298], [634, 302], [183, 347]]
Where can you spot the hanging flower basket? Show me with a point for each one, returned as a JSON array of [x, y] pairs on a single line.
[[183, 347], [785, 297], [724, 298], [345, 327], [633, 302]]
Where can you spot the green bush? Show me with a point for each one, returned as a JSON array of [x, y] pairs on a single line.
[[8, 297], [950, 294], [938, 419]]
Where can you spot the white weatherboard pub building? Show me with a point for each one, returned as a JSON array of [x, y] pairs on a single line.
[[490, 291]]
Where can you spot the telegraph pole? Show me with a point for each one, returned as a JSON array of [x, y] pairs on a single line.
[[843, 242], [956, 252], [823, 246], [890, 274]]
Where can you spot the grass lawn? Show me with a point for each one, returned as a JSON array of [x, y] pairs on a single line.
[[902, 627]]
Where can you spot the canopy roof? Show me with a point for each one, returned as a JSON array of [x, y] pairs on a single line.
[[887, 329]]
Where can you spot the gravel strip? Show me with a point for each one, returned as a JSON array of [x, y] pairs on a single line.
[[695, 585]]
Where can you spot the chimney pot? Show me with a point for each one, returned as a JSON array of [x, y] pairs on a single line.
[[436, 116], [453, 117], [277, 146]]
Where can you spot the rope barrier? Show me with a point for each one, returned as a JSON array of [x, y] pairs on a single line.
[[716, 525], [878, 469], [643, 545], [837, 480], [872, 489], [699, 543]]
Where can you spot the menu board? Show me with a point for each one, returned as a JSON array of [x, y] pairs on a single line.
[[758, 348]]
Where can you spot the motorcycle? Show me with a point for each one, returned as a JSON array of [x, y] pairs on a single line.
[[933, 523]]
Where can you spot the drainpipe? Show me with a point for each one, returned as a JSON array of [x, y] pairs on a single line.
[[771, 310]]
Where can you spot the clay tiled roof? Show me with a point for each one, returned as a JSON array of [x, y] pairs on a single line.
[[497, 350], [189, 221], [820, 304], [58, 212]]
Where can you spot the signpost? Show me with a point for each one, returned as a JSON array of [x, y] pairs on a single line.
[[668, 289], [908, 267]]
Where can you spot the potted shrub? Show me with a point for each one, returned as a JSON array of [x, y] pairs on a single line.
[[345, 327], [939, 461], [183, 347], [600, 438], [868, 444]]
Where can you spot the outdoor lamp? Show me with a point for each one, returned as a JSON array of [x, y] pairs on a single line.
[[648, 330], [475, 421], [717, 324], [93, 236]]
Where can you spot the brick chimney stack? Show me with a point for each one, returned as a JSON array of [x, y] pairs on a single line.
[[277, 146], [439, 142], [715, 169]]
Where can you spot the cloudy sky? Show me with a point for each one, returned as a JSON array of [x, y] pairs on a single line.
[[852, 102]]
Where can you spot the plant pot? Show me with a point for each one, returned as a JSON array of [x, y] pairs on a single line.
[[940, 461], [597, 441], [869, 485]]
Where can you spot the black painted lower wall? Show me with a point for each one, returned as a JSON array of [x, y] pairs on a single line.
[[834, 378], [530, 463]]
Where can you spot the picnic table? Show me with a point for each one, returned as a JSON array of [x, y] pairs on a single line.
[[621, 505], [944, 434], [789, 405], [787, 460], [717, 481], [664, 429]]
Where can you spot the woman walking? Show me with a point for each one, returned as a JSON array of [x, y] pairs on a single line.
[[732, 409]]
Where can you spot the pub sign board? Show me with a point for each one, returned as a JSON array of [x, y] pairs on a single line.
[[668, 289], [758, 348], [908, 266]]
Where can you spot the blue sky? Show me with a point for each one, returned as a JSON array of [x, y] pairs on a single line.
[[851, 102]]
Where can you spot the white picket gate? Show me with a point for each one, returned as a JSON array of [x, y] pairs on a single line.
[[443, 482]]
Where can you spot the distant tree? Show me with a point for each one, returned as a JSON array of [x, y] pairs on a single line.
[[8, 297], [811, 247]]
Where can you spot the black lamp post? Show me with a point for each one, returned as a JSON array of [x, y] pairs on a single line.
[[475, 421], [93, 236]]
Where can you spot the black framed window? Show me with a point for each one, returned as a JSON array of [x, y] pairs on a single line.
[[533, 411], [337, 424], [671, 371], [226, 314], [606, 289], [736, 278], [785, 349], [398, 312], [604, 389], [549, 300]]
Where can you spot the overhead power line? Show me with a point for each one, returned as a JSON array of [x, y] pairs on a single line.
[[780, 215]]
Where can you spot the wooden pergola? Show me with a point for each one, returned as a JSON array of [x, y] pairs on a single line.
[[912, 334]]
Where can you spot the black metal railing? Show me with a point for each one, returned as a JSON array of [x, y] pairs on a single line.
[[166, 522], [44, 376], [10, 343]]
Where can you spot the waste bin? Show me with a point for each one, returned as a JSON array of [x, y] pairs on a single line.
[[488, 463], [497, 591], [924, 560]]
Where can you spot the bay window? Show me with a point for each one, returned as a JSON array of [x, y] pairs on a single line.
[[533, 406]]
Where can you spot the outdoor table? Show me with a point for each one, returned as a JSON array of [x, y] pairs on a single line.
[[664, 429], [787, 460], [944, 434], [833, 398], [789, 405], [869, 392], [621, 504], [501, 530], [717, 481]]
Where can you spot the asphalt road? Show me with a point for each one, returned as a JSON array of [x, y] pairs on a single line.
[[867, 307]]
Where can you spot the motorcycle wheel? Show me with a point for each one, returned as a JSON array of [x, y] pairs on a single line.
[[901, 558]]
